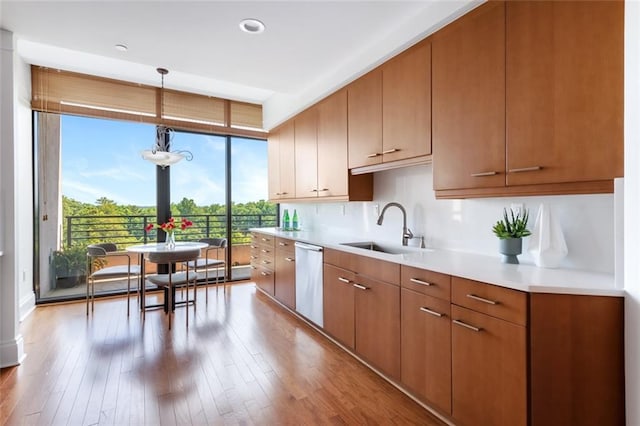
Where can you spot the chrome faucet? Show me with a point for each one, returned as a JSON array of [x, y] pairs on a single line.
[[406, 232]]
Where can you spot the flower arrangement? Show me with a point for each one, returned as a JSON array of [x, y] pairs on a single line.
[[170, 226]]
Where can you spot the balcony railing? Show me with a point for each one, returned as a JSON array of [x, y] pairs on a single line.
[[129, 230]]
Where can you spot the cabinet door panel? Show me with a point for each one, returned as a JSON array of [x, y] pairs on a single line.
[[287, 161], [406, 104], [285, 279], [426, 348], [489, 370], [273, 156], [332, 146], [468, 101], [338, 304], [378, 324], [564, 91], [306, 154], [365, 120]]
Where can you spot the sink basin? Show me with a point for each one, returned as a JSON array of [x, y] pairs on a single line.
[[370, 245]]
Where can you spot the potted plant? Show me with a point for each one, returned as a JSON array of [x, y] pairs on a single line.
[[511, 229], [69, 266]]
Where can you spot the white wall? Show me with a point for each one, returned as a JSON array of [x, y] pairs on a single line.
[[465, 225], [632, 209]]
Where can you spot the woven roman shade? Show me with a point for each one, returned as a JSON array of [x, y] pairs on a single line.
[[65, 92]]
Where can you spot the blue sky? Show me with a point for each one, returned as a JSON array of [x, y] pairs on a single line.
[[101, 158]]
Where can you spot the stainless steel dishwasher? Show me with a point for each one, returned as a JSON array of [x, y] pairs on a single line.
[[309, 282]]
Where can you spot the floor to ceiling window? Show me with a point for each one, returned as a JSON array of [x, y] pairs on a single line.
[[93, 186]]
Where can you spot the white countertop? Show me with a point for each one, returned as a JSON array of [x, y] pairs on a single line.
[[488, 269]]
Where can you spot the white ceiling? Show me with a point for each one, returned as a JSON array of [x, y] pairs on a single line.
[[309, 48]]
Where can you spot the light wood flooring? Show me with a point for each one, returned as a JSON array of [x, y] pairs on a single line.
[[243, 361]]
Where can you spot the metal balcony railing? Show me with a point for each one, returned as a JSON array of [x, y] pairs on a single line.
[[129, 230]]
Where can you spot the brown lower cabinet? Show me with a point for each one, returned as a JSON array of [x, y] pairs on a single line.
[[262, 261], [338, 305], [426, 348], [488, 370], [285, 272]]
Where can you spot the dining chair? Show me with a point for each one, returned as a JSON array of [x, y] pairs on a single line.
[[173, 280], [98, 256], [212, 261]]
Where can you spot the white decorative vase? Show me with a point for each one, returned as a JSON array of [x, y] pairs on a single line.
[[170, 241], [546, 244]]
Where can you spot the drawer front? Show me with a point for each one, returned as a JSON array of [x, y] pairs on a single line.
[[264, 278], [504, 303], [374, 268], [285, 245], [426, 282]]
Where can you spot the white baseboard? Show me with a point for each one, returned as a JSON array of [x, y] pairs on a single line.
[[12, 352], [27, 305]]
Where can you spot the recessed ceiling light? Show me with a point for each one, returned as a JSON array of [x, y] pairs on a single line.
[[121, 47], [252, 26]]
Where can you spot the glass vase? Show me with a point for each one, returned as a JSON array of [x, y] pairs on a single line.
[[170, 242]]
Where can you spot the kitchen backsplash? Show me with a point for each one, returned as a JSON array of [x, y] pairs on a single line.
[[587, 221]]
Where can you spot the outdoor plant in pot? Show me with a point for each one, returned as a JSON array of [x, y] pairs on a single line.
[[511, 229], [69, 266]]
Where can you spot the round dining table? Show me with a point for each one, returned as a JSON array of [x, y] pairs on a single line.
[[145, 249]]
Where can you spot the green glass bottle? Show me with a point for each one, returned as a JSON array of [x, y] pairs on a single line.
[[294, 221], [286, 220]]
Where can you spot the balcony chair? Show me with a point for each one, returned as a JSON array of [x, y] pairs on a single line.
[[173, 280], [209, 262], [97, 256]]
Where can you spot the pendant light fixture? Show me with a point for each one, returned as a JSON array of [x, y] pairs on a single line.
[[160, 154]]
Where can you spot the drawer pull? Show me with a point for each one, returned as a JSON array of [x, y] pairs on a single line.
[[266, 262], [283, 193], [481, 174], [283, 244], [418, 281], [289, 259], [390, 151], [253, 257], [253, 247], [526, 169], [324, 189], [265, 274], [265, 251], [361, 287], [375, 154], [429, 311], [344, 280], [314, 190], [253, 267], [465, 325], [482, 299]]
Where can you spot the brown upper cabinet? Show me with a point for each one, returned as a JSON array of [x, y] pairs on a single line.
[[468, 101], [321, 169], [390, 110], [528, 99], [282, 176], [564, 91]]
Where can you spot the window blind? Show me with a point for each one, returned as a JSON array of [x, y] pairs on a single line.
[[57, 91]]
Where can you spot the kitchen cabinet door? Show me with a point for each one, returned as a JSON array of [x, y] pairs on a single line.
[[306, 154], [281, 163], [365, 120], [564, 84], [333, 172], [426, 348], [377, 324], [468, 93], [489, 370], [338, 304], [406, 104], [285, 268]]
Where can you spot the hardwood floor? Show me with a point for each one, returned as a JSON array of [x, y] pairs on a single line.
[[243, 360]]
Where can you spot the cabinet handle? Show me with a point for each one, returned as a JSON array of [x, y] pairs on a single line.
[[481, 174], [266, 239], [253, 267], [265, 274], [283, 193], [265, 251], [278, 193], [465, 325], [361, 287], [283, 244], [252, 246], [429, 311], [375, 154], [324, 189], [314, 190], [482, 299], [526, 169], [266, 262], [344, 280], [390, 151], [288, 259], [418, 281], [253, 257]]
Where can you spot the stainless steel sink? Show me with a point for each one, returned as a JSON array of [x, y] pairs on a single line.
[[370, 245]]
